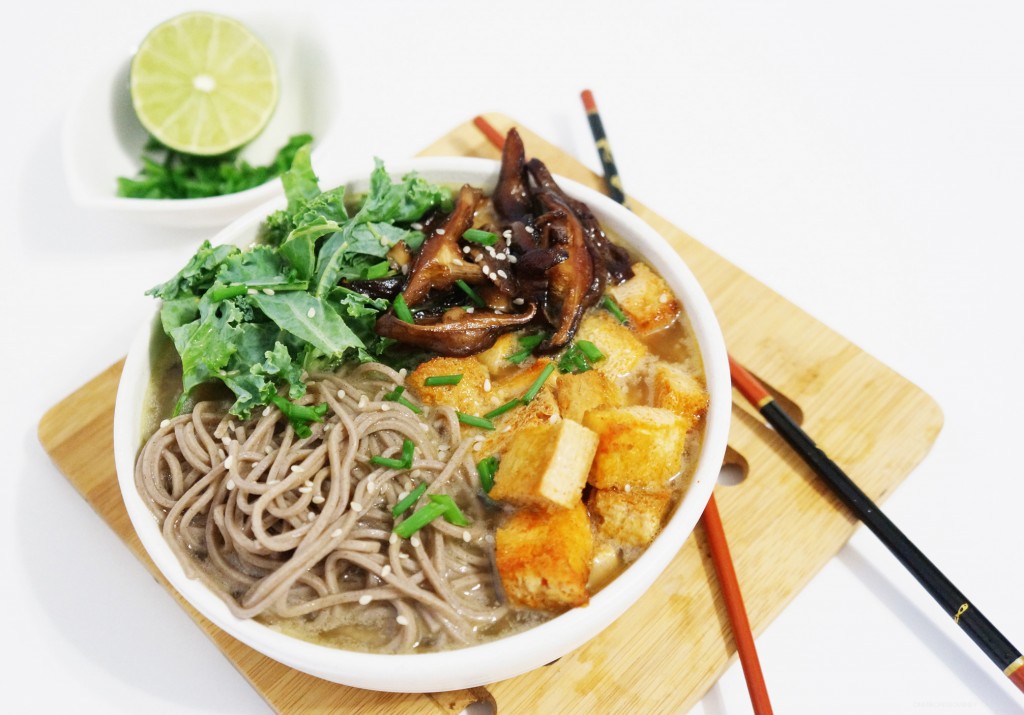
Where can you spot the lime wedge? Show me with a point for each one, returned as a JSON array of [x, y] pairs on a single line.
[[203, 84]]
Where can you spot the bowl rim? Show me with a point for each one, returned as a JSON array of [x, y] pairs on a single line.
[[508, 656]]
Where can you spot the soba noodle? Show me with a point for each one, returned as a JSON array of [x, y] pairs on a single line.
[[298, 531]]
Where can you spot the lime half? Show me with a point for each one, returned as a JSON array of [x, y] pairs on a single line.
[[203, 84]]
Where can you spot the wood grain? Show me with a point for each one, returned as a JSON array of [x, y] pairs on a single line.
[[664, 654]]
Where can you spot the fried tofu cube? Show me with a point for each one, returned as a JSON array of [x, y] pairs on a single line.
[[631, 518], [467, 396], [638, 447], [585, 391], [541, 410], [546, 466], [544, 558], [622, 349], [646, 300], [677, 390], [494, 357]]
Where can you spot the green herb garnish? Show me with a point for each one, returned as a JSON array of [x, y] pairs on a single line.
[[402, 310], [404, 463], [300, 415], [539, 382], [498, 411], [526, 343], [613, 308], [396, 396], [484, 238], [377, 270], [168, 174], [420, 518], [452, 513], [437, 380], [411, 498], [474, 421], [579, 356], [473, 295], [486, 469]]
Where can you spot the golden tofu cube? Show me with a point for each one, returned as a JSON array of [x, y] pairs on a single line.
[[467, 396], [677, 390], [631, 518], [546, 466], [541, 410], [494, 357], [638, 447], [646, 300], [544, 558], [585, 391], [622, 349]]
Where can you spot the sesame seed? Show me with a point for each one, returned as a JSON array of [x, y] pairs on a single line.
[[341, 394], [402, 495], [529, 229], [503, 274], [403, 556], [164, 424], [500, 256], [458, 262], [297, 468], [628, 488], [371, 488], [385, 407], [363, 401], [466, 536], [439, 232], [506, 428], [318, 499], [268, 449], [415, 541], [518, 301], [305, 490], [266, 411], [229, 484], [469, 309], [489, 538], [311, 313], [416, 226], [402, 621], [477, 446], [365, 600], [252, 291], [663, 298], [402, 373], [405, 269], [393, 539], [487, 385], [336, 533], [386, 571], [507, 233], [356, 506], [465, 249], [229, 462], [554, 419], [310, 516], [268, 291], [512, 259], [424, 426], [308, 483]]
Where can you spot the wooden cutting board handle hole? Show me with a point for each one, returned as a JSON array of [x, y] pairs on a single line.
[[734, 468]]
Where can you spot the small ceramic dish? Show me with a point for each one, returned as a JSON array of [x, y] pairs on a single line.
[[494, 660], [102, 139]]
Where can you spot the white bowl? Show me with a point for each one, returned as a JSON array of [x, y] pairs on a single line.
[[101, 138], [506, 657]]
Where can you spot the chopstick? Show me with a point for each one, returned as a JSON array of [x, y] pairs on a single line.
[[964, 613], [712, 525], [712, 520]]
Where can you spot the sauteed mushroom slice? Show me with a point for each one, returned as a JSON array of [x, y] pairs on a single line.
[[439, 264], [512, 198], [457, 333]]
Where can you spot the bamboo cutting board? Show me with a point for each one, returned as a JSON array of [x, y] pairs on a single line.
[[671, 646]]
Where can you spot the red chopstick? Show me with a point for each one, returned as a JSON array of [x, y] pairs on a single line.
[[711, 519]]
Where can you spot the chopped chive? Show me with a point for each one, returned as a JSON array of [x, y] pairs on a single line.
[[420, 518], [411, 498], [473, 296], [404, 463], [436, 380], [224, 292], [518, 356], [614, 309], [377, 270], [539, 382], [486, 469], [527, 343], [484, 238], [396, 396], [592, 352], [300, 415], [474, 421], [452, 513], [388, 462], [497, 411], [402, 310]]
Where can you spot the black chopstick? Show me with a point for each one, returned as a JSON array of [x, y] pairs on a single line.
[[964, 613]]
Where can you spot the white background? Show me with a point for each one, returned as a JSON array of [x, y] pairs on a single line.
[[865, 159]]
